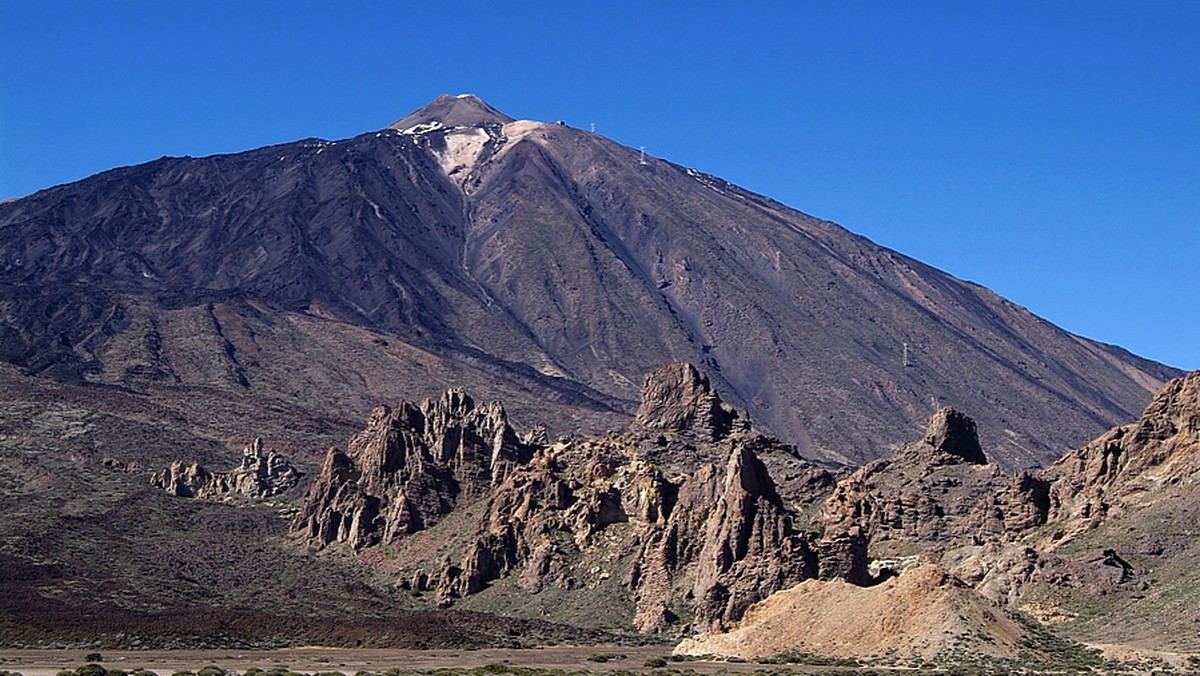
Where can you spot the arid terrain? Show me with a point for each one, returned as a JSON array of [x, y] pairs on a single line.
[[471, 391]]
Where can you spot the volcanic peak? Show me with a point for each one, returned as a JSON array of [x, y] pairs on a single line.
[[464, 110]]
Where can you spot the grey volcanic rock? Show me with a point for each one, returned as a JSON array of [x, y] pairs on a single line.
[[538, 257], [262, 474]]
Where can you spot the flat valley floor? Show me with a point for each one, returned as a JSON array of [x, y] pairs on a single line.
[[349, 661]]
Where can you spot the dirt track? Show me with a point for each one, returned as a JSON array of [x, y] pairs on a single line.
[[349, 660]]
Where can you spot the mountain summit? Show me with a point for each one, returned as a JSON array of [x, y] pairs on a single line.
[[464, 110], [535, 263]]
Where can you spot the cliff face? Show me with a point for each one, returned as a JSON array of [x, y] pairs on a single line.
[[938, 492]]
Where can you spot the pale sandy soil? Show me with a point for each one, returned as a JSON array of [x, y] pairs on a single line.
[[350, 660]]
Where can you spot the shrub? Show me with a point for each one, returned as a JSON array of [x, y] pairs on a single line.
[[655, 663], [91, 670], [211, 670], [93, 657]]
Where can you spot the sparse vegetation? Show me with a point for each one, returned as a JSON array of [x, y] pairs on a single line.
[[605, 657], [801, 657]]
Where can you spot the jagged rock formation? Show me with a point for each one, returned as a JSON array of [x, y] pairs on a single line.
[[939, 491], [411, 466], [1125, 503], [261, 475], [952, 435], [681, 511], [678, 398], [1161, 449]]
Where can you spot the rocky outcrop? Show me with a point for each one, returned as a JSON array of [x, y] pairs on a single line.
[[939, 494], [680, 515], [1162, 448], [262, 474], [410, 467], [731, 536], [952, 434], [707, 545], [677, 397]]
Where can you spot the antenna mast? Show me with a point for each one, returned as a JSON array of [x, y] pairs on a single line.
[[643, 160]]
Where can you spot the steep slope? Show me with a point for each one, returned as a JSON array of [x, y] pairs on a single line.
[[536, 258]]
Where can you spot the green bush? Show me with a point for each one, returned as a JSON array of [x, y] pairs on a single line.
[[91, 670], [93, 657], [211, 670], [655, 663]]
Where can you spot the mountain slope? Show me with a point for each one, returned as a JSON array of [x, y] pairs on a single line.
[[544, 260]]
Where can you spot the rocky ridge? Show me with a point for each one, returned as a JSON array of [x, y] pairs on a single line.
[[681, 511], [1160, 449], [1037, 542]]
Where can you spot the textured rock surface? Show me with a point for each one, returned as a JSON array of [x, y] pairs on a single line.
[[677, 397], [411, 466], [1161, 449], [683, 520], [261, 474], [938, 492]]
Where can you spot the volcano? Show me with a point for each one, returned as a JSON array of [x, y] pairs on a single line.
[[295, 286]]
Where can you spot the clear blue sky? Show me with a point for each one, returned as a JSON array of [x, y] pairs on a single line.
[[1048, 150]]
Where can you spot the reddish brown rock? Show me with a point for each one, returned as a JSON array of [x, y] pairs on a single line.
[[1160, 449], [410, 467], [678, 398]]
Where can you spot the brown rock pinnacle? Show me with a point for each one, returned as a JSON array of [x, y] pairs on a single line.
[[677, 397]]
